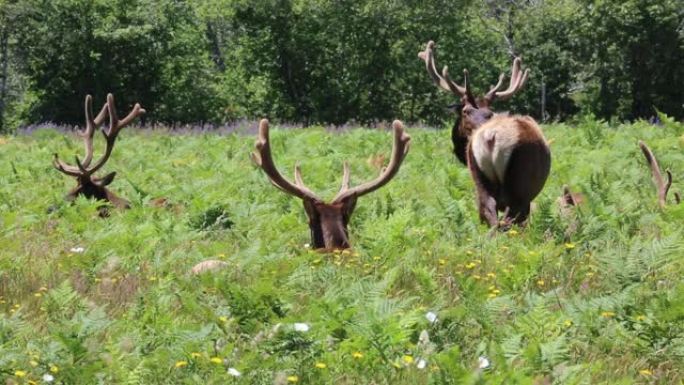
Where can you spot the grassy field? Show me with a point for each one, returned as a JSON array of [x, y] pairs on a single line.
[[587, 296]]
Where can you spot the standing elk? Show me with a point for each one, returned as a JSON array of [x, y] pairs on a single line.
[[508, 156], [89, 185], [328, 221]]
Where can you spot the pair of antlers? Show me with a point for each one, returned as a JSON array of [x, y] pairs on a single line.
[[263, 158], [518, 78], [83, 169]]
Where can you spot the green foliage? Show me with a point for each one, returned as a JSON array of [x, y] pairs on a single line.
[[594, 295], [333, 62]]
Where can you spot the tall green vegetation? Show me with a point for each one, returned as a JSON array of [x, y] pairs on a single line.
[[331, 62], [585, 295]]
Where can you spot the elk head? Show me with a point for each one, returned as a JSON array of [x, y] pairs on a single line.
[[471, 112], [328, 221], [90, 186], [508, 156]]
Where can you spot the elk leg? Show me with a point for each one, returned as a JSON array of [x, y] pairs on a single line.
[[519, 213], [485, 193]]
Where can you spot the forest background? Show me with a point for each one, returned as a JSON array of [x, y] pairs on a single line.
[[334, 62]]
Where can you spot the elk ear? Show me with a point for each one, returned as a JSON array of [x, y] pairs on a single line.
[[107, 179]]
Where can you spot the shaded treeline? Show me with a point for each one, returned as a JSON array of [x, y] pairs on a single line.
[[330, 62]]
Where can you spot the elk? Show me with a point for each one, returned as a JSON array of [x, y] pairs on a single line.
[[328, 221], [88, 185], [507, 155]]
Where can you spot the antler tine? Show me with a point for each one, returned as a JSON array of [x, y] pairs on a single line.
[[662, 186], [345, 178], [518, 80], [400, 148], [468, 93], [446, 84], [262, 157], [491, 94], [300, 182], [91, 126], [115, 125], [63, 167]]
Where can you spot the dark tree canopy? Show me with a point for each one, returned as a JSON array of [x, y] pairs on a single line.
[[332, 62]]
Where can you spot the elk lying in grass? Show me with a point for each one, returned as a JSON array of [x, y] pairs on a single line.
[[508, 156], [662, 186], [90, 186], [328, 221]]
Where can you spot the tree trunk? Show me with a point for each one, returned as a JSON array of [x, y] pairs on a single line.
[[215, 46], [3, 73]]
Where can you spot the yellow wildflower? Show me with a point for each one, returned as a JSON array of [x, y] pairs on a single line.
[[512, 232], [470, 265], [33, 363], [442, 261], [223, 319], [37, 295], [54, 368], [491, 275], [20, 373], [357, 355], [195, 355], [569, 246], [567, 323], [408, 359], [646, 372], [180, 364], [321, 365], [607, 314], [293, 379], [216, 360], [640, 317], [540, 283]]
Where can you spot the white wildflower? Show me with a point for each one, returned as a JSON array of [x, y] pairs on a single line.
[[77, 249], [301, 327], [306, 245], [234, 372], [483, 362], [47, 377], [431, 317], [421, 364]]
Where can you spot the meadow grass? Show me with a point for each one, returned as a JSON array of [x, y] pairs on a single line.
[[592, 295]]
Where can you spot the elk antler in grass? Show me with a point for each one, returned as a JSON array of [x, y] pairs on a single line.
[[662, 186], [328, 221], [89, 185]]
